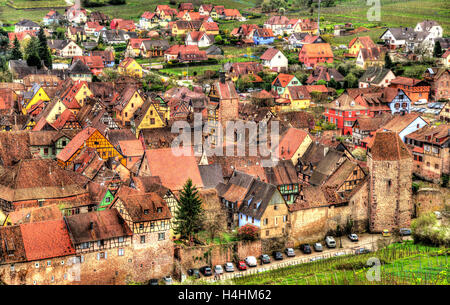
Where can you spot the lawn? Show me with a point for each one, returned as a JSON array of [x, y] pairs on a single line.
[[32, 4], [400, 264], [190, 70]]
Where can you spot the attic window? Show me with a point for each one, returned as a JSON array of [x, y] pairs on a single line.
[[146, 212], [159, 210]]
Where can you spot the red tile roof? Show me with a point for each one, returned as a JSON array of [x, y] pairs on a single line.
[[387, 146], [75, 144], [284, 79], [290, 142], [317, 50], [174, 170], [366, 42], [46, 239], [269, 54]]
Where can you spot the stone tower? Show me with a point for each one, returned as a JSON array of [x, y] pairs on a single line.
[[390, 165]]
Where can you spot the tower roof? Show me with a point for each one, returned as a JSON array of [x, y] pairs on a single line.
[[387, 146]]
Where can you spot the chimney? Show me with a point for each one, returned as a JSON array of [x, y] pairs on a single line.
[[222, 77]]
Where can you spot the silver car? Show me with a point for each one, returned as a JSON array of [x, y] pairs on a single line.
[[229, 267], [218, 269]]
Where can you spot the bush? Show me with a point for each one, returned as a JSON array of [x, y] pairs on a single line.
[[426, 230], [248, 232]]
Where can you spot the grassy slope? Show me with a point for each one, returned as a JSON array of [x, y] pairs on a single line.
[[393, 12], [406, 263]]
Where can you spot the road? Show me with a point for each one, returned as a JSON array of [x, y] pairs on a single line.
[[368, 241]]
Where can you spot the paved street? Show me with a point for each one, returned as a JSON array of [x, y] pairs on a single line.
[[368, 241]]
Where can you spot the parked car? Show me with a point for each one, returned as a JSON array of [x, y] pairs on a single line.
[[339, 253], [168, 280], [206, 270], [265, 259], [421, 102], [194, 272], [218, 269], [330, 242], [438, 214], [251, 261], [362, 251], [229, 267], [277, 255], [153, 282], [405, 231], [305, 248], [289, 252], [386, 233], [242, 265], [318, 247], [353, 237]]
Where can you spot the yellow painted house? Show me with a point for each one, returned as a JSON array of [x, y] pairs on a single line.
[[33, 96], [298, 96], [126, 104], [358, 43], [54, 110], [88, 137], [154, 114], [293, 144], [130, 67], [210, 28]]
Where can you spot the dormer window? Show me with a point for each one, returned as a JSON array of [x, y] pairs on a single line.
[[146, 212], [159, 210]]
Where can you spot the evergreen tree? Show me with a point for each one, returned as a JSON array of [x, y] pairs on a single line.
[[188, 216], [44, 52], [387, 61], [437, 49], [16, 53], [31, 53]]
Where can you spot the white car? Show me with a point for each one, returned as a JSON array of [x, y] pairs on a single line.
[[421, 102], [218, 269], [250, 261], [229, 267]]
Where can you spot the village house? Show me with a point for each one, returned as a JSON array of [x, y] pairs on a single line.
[[343, 112], [283, 81], [200, 39], [371, 57], [275, 60], [211, 28], [416, 89], [130, 67], [358, 43], [64, 48], [405, 124], [298, 96], [321, 73], [52, 17], [153, 48], [263, 36], [148, 217], [26, 25], [76, 14], [126, 104], [365, 126], [376, 77], [149, 20], [312, 54], [430, 149]]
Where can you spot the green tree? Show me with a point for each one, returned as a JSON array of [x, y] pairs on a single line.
[[31, 53], [218, 39], [351, 81], [437, 52], [388, 61], [189, 215], [16, 53], [44, 51]]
